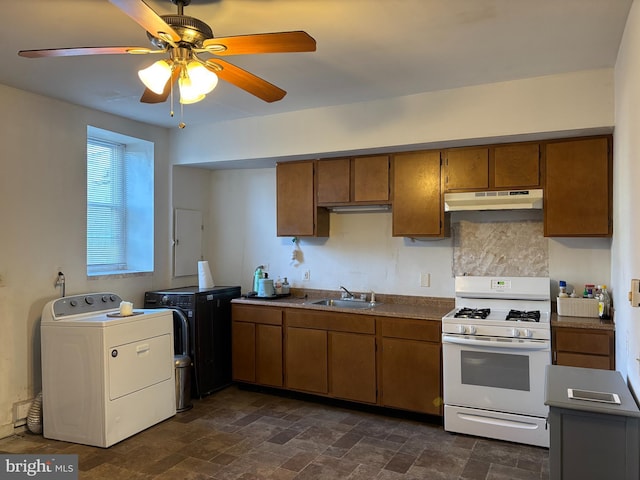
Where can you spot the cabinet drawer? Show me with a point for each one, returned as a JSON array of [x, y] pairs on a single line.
[[411, 329], [256, 314], [583, 360], [592, 342], [337, 322]]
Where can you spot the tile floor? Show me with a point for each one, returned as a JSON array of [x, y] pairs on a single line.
[[247, 435]]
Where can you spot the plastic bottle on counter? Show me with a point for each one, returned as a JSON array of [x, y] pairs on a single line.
[[604, 304], [563, 289], [285, 287], [278, 286]]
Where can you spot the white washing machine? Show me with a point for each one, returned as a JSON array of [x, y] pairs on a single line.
[[105, 376]]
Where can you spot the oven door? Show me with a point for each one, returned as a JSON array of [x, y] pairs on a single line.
[[491, 373]]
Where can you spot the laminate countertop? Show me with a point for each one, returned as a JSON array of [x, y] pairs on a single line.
[[419, 308], [581, 322]]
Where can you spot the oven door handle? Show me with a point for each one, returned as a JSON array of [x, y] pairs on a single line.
[[520, 345]]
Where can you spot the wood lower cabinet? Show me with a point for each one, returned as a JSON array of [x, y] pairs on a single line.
[[578, 195], [410, 365], [332, 354], [352, 366], [384, 361], [296, 209], [256, 345], [417, 198], [583, 347], [306, 360]]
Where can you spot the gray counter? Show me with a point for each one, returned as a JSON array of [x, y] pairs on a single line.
[[588, 439]]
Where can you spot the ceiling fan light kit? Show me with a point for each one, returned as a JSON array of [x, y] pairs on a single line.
[[183, 37]]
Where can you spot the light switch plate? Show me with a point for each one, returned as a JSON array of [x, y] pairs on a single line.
[[634, 294]]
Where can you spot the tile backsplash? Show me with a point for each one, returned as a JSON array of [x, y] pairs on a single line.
[[511, 248]]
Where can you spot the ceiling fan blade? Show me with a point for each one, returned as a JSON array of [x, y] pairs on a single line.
[[144, 16], [149, 96], [246, 81], [261, 43], [72, 52]]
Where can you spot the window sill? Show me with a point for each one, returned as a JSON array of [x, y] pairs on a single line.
[[118, 274]]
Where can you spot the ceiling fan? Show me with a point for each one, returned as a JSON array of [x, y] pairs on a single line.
[[184, 39]]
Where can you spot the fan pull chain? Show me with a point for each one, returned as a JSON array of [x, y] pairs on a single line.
[[182, 124]]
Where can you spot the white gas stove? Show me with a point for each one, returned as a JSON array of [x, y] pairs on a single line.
[[496, 346]]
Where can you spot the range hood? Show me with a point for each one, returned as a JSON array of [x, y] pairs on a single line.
[[502, 200]]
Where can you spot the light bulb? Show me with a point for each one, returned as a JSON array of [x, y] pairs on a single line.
[[203, 79], [156, 76], [188, 92]]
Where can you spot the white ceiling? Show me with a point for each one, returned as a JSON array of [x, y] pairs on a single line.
[[366, 49]]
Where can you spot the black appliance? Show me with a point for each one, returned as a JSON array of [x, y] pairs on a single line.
[[209, 317]]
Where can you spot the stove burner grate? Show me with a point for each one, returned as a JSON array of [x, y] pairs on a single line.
[[524, 316], [473, 313]]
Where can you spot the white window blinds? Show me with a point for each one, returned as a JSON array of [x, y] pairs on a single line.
[[106, 208]]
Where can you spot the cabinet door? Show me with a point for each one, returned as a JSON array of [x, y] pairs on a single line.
[[584, 347], [269, 355], [352, 366], [243, 348], [297, 214], [411, 375], [467, 169], [417, 201], [517, 165], [306, 360], [334, 184], [578, 188], [371, 179]]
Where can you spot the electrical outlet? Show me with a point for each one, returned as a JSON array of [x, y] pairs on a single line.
[[306, 276], [425, 279]]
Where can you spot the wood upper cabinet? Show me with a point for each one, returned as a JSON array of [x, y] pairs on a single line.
[[498, 167], [516, 166], [256, 345], [297, 213], [349, 181], [583, 347], [578, 188], [417, 198], [410, 365], [466, 169]]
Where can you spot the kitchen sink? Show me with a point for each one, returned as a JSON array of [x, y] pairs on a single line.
[[358, 304]]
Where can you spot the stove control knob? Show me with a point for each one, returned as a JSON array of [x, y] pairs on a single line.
[[527, 333], [515, 332], [472, 329], [462, 329], [88, 300], [164, 300]]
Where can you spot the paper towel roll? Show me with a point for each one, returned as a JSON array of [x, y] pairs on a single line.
[[205, 280]]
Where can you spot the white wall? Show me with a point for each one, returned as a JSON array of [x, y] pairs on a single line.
[[626, 239], [360, 252], [557, 103], [43, 210]]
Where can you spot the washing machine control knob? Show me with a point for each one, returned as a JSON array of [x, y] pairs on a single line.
[[164, 300], [73, 303], [88, 300], [105, 299]]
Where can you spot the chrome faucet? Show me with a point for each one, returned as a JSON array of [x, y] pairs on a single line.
[[348, 293]]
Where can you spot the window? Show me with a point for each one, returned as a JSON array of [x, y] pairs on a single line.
[[119, 204]]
